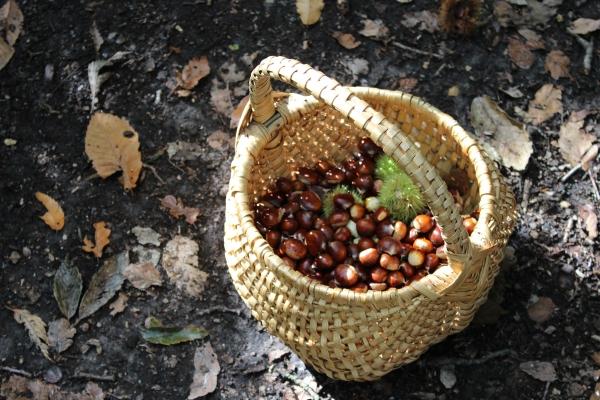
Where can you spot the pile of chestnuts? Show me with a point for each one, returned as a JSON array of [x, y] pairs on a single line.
[[347, 238]]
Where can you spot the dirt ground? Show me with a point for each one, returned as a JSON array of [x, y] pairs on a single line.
[[47, 115]]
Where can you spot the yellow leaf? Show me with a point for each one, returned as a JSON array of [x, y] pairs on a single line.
[[309, 10], [54, 217], [112, 145], [101, 235], [35, 327]]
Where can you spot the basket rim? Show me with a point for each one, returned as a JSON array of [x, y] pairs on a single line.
[[446, 275]]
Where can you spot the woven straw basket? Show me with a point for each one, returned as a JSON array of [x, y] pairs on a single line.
[[341, 333]]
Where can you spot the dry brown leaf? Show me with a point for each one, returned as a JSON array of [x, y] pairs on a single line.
[[534, 39], [573, 141], [177, 209], [230, 74], [237, 113], [509, 138], [60, 335], [346, 40], [11, 21], [142, 275], [535, 13], [557, 64], [540, 370], [220, 140], [541, 310], [35, 327], [220, 98], [196, 69], [582, 26], [547, 102], [374, 29], [423, 20], [309, 10], [206, 371], [6, 53], [21, 388], [118, 306], [519, 53], [54, 217], [101, 235], [180, 262], [590, 219], [112, 145]]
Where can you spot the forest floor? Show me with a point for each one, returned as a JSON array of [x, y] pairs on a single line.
[[45, 106]]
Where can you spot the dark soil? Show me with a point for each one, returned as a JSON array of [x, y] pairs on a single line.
[[48, 119]]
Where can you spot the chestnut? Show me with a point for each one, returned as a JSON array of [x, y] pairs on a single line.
[[305, 218], [372, 203], [379, 274], [400, 230], [346, 275], [378, 286], [377, 185], [416, 258], [290, 208], [325, 261], [423, 223], [327, 231], [391, 263], [366, 145], [365, 227], [271, 217], [294, 249], [357, 211], [365, 166], [360, 287], [261, 228], [342, 234], [319, 222], [384, 228], [431, 262], [323, 166], [365, 243], [289, 225], [407, 270], [315, 241], [363, 182], [308, 176], [310, 201], [412, 235], [388, 245], [298, 186], [284, 185], [435, 236], [335, 176], [353, 251], [441, 253], [273, 238], [291, 263], [339, 218], [368, 257], [337, 250], [395, 279], [469, 224], [423, 244], [380, 214], [276, 199], [307, 267], [343, 201]]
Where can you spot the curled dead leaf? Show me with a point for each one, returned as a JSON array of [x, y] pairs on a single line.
[[422, 20], [374, 29], [54, 217], [118, 306], [180, 261], [60, 335], [519, 53], [557, 64], [582, 26], [196, 69], [36, 328], [309, 10], [177, 209], [573, 141], [346, 40], [142, 275], [101, 235], [590, 220], [112, 145], [547, 102]]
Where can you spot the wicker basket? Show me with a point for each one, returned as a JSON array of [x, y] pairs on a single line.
[[341, 333]]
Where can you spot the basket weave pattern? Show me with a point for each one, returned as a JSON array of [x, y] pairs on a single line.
[[348, 335]]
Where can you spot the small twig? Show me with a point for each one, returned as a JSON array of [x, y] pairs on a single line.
[[596, 338], [153, 170], [472, 361], [546, 391], [418, 51], [85, 375], [589, 52], [526, 189], [437, 72], [594, 185], [16, 371], [571, 172], [219, 309], [568, 230]]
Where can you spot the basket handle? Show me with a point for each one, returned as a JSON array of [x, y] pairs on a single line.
[[384, 133]]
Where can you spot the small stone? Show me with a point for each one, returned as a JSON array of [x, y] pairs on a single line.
[[14, 257], [49, 72], [447, 376], [26, 252], [454, 91], [53, 374], [10, 142], [565, 204]]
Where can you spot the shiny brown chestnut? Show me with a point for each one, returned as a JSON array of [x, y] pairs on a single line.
[[380, 214], [327, 231], [342, 234], [365, 166], [423, 245], [391, 263], [305, 218], [323, 166], [368, 257], [365, 227], [400, 230], [339, 218], [379, 274], [395, 279], [271, 217], [360, 287], [343, 201], [407, 270], [290, 208], [335, 176], [367, 146], [284, 185], [288, 225], [423, 223], [416, 258], [308, 267], [431, 262], [363, 182], [275, 198], [273, 238], [294, 249], [357, 211], [384, 228], [337, 250], [353, 251], [435, 236], [325, 261], [412, 235], [365, 243], [346, 275], [308, 176], [310, 201], [315, 241], [388, 245], [469, 223], [378, 286]]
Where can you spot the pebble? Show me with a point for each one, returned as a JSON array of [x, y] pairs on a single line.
[[49, 72], [14, 257], [53, 374], [447, 376], [26, 252]]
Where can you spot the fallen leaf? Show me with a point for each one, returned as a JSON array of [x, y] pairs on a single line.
[[422, 20], [177, 209], [541, 310], [237, 112], [92, 343], [220, 140], [573, 141], [547, 102], [509, 138], [590, 220], [118, 306], [145, 235], [54, 217], [596, 357], [374, 29], [96, 37], [170, 335], [220, 99], [142, 275], [101, 235], [230, 74], [534, 39], [535, 13], [519, 53], [20, 388], [557, 64], [356, 66], [407, 84], [540, 370], [60, 335], [180, 261], [96, 79], [583, 26], [346, 40], [67, 288], [309, 10], [112, 145], [35, 327], [183, 151], [6, 53], [11, 21], [206, 371], [145, 254], [196, 69], [105, 283], [513, 92]]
